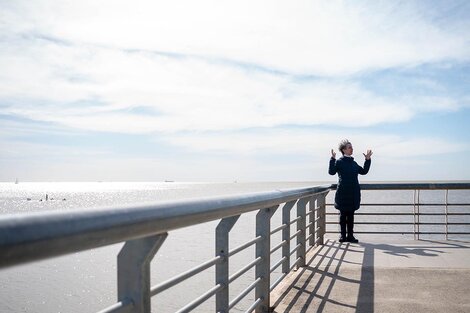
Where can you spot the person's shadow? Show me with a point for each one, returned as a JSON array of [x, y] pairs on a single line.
[[401, 251], [311, 290]]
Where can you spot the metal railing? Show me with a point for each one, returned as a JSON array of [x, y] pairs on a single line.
[[416, 212], [25, 238]]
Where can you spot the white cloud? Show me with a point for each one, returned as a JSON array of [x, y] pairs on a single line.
[[91, 80], [313, 143], [228, 79], [97, 88], [308, 37], [294, 155]]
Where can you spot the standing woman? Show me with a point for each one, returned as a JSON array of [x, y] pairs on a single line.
[[348, 192]]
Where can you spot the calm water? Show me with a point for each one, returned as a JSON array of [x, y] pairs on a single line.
[[86, 281]]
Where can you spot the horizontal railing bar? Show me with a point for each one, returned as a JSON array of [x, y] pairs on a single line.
[[245, 245], [404, 232], [183, 276], [47, 234], [295, 249], [279, 246], [414, 186], [244, 269], [405, 214], [317, 219], [279, 263], [243, 294], [275, 230], [254, 305], [296, 234], [295, 220], [412, 204], [409, 204], [309, 236], [39, 235], [402, 223], [373, 213], [119, 307], [309, 224], [278, 281], [189, 307]]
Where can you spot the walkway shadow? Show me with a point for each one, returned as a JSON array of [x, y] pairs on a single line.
[[451, 243], [401, 251], [311, 290], [349, 267]]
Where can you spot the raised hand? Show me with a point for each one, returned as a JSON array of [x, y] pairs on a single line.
[[333, 154], [368, 155]]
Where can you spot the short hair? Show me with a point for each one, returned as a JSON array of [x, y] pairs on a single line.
[[342, 145]]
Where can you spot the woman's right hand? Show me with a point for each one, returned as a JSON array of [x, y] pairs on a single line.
[[333, 154]]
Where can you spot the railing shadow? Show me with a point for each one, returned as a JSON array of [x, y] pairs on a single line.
[[341, 277], [397, 250], [450, 243], [312, 288]]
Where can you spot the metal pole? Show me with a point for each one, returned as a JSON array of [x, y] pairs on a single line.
[[418, 212], [311, 215], [134, 271], [321, 202], [414, 214], [301, 206], [447, 214], [286, 235], [222, 269], [263, 248]]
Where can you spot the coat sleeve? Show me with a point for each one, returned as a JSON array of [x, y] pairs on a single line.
[[332, 168], [365, 170]]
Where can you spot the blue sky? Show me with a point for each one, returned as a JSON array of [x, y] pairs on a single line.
[[224, 91]]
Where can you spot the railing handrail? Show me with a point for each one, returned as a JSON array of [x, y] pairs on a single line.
[[416, 205], [39, 235], [454, 185]]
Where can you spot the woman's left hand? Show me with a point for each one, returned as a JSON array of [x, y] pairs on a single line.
[[368, 155]]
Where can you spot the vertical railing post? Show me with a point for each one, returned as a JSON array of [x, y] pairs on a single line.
[[321, 203], [301, 225], [447, 214], [419, 223], [263, 250], [311, 214], [222, 269], [134, 271], [416, 214], [286, 235]]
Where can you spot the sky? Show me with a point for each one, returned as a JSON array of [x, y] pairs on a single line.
[[232, 90]]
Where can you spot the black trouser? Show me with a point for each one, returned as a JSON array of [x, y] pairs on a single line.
[[346, 223]]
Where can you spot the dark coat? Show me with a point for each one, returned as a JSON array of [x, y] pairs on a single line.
[[348, 192]]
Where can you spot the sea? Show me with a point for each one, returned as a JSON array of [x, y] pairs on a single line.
[[87, 281]]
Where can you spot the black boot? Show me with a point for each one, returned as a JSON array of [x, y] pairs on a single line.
[[350, 227], [352, 239], [342, 224]]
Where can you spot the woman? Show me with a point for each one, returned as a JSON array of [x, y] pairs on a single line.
[[348, 192]]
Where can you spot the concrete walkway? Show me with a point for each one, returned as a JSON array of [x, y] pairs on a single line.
[[391, 276]]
